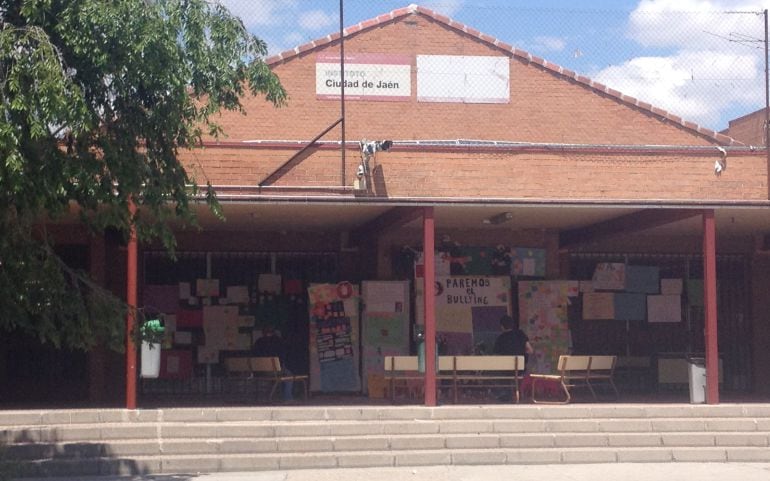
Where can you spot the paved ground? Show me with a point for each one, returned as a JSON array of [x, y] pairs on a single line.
[[563, 472]]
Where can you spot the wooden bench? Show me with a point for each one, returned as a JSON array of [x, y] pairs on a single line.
[[400, 370], [459, 372], [264, 369], [487, 372], [578, 371]]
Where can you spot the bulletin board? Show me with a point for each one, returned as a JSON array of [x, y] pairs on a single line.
[[334, 337], [468, 311], [543, 318], [384, 325]]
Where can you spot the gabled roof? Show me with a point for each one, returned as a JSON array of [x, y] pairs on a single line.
[[515, 52]]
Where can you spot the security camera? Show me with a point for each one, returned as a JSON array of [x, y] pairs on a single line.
[[370, 147], [361, 171]]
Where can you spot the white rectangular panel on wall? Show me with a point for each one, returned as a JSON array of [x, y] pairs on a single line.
[[463, 79]]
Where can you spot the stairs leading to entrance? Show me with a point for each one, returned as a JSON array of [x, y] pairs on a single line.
[[191, 440]]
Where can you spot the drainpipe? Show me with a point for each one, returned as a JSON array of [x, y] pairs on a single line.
[[131, 300], [429, 278], [710, 300]]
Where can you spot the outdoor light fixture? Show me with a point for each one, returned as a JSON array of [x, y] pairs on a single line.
[[499, 218], [368, 149]]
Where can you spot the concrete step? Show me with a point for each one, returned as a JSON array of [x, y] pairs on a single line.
[[382, 413], [82, 442], [107, 432], [188, 464], [257, 444]]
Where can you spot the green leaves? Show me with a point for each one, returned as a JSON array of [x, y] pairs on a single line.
[[97, 99]]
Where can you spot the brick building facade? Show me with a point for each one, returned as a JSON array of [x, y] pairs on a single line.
[[583, 170]]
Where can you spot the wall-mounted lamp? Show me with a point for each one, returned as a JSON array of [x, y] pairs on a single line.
[[499, 218]]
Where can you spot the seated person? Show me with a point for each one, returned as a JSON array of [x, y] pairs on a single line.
[[272, 345]]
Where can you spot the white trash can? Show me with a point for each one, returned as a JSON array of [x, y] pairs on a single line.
[[150, 360], [697, 373]]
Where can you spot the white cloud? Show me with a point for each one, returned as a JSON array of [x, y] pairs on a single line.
[[709, 61], [695, 23], [445, 7], [317, 20], [695, 85], [549, 44]]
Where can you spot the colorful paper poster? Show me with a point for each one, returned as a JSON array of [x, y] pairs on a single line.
[[671, 286], [385, 323], [216, 320], [384, 296], [527, 262], [642, 279], [543, 318], [334, 338], [458, 299], [664, 308], [609, 276], [598, 305]]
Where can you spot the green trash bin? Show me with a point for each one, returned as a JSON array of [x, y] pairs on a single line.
[[152, 332]]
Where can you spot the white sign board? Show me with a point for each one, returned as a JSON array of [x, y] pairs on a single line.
[[463, 79], [367, 77]]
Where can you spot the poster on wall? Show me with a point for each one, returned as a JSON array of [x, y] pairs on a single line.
[[609, 276], [457, 260], [334, 341], [468, 311], [384, 326], [543, 317], [527, 262]]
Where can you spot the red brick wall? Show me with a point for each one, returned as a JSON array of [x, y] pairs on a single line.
[[462, 174], [749, 129], [544, 107]]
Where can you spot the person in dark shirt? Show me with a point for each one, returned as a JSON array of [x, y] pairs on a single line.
[[512, 341], [272, 345]]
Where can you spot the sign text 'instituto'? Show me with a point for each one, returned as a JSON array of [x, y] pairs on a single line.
[[367, 77]]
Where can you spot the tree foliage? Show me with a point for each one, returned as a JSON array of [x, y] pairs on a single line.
[[98, 98]]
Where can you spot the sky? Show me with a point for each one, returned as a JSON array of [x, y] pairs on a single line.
[[700, 59]]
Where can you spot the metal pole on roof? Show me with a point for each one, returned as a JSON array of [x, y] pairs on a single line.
[[342, 89]]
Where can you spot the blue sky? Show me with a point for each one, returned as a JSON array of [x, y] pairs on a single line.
[[700, 59]]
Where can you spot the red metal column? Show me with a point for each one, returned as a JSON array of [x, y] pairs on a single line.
[[428, 234], [710, 303], [131, 298]]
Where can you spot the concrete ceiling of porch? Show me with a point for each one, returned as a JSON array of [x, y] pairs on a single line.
[[293, 216]]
